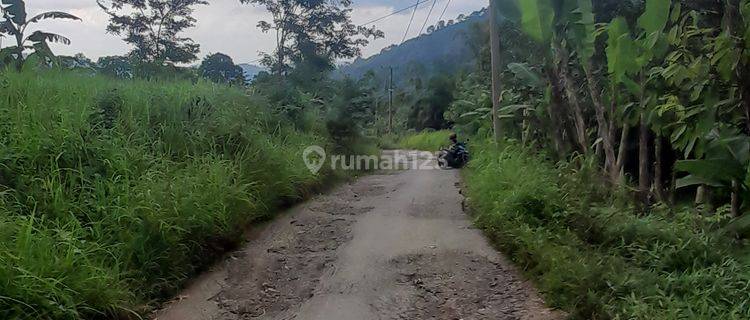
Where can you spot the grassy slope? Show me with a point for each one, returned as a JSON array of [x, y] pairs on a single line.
[[600, 260], [113, 193], [426, 141]]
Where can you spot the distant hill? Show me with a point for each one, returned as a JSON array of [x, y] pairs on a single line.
[[446, 49], [251, 70]]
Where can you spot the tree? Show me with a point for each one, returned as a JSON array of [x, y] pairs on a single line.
[[307, 29], [220, 68], [677, 71], [15, 23], [153, 27], [79, 61], [116, 66], [634, 57], [496, 67], [544, 22], [581, 32], [431, 103]]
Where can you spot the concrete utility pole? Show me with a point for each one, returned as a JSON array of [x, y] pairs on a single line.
[[390, 103], [496, 67]]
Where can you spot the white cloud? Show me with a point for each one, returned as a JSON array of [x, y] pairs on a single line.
[[59, 5], [230, 27]]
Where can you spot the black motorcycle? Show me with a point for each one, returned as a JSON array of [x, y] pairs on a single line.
[[455, 157]]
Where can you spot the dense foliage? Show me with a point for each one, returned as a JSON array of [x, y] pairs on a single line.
[[594, 255], [154, 28], [312, 32], [425, 140], [655, 89], [15, 21], [622, 182], [121, 191], [220, 68], [121, 178]]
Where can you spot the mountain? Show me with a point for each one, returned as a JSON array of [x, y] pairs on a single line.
[[446, 48], [251, 70]]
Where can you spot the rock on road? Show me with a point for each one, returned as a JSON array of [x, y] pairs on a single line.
[[393, 245]]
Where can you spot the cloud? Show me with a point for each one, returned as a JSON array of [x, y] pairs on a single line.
[[230, 27], [60, 5]]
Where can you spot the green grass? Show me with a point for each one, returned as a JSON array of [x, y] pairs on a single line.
[[113, 193], [388, 142], [426, 140], [597, 258]]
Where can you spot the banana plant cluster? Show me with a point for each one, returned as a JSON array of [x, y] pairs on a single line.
[[15, 23], [673, 71]]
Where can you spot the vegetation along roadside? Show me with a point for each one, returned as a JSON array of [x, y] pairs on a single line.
[[619, 178], [125, 188]]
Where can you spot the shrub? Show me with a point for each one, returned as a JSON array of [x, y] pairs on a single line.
[[426, 141], [114, 192], [596, 259]]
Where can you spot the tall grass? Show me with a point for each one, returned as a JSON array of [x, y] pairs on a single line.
[[598, 259], [113, 193], [426, 140]]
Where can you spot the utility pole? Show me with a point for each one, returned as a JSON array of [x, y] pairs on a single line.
[[496, 68], [390, 103]]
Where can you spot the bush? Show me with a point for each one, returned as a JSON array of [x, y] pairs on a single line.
[[114, 192], [596, 259], [426, 140], [389, 142]]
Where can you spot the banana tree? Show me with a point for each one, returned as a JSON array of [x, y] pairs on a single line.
[[15, 24], [582, 33], [724, 164], [542, 21], [473, 104], [632, 57], [527, 98]]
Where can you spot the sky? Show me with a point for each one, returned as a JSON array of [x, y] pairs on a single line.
[[229, 27]]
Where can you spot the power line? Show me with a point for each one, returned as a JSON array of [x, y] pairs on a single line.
[[428, 16], [444, 10], [395, 12], [416, 6]]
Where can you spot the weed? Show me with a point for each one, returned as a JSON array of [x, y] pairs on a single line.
[[426, 141], [113, 193], [596, 259]]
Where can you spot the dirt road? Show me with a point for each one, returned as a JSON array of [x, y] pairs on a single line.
[[395, 245]]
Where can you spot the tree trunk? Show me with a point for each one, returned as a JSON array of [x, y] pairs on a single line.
[[571, 93], [672, 188], [496, 68], [658, 170], [736, 203], [604, 128], [644, 181], [622, 152], [700, 195], [556, 109], [19, 46], [612, 113], [525, 128], [730, 7]]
